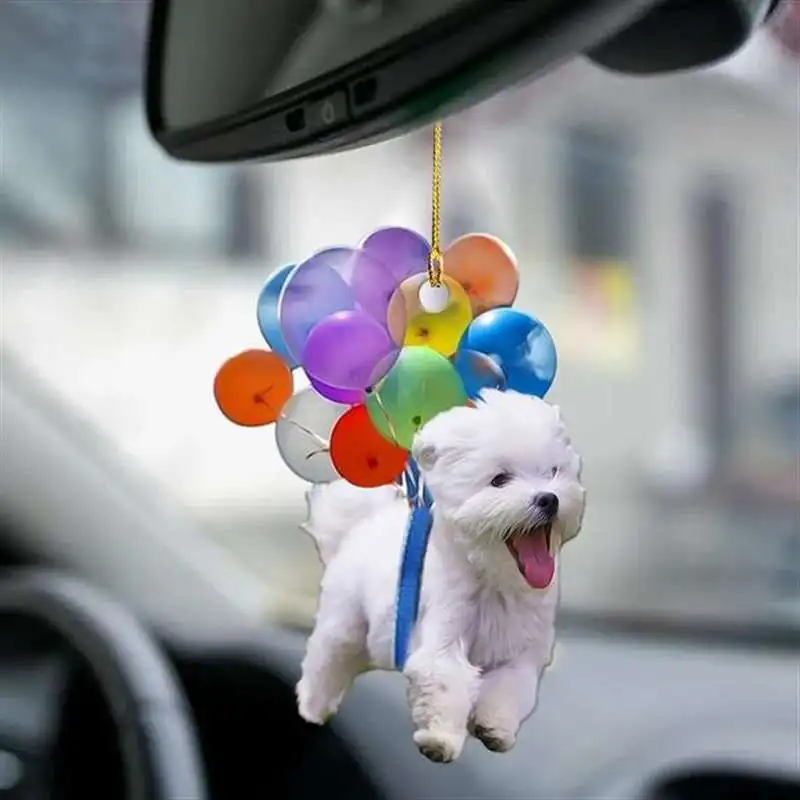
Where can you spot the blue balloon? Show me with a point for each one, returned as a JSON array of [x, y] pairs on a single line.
[[267, 312], [519, 344], [477, 372]]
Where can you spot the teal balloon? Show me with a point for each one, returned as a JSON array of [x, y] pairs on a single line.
[[421, 384], [267, 313], [519, 344]]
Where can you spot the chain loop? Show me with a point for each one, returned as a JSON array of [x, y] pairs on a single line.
[[436, 260]]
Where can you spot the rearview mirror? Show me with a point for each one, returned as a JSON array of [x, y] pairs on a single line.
[[274, 79], [231, 80]]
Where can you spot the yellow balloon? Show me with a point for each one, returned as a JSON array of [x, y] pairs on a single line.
[[412, 326]]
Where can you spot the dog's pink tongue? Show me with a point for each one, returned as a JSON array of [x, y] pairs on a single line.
[[538, 566]]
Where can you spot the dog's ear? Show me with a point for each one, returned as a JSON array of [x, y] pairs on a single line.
[[424, 452], [436, 439]]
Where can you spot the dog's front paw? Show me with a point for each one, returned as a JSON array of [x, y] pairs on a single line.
[[438, 746], [312, 707], [496, 739]]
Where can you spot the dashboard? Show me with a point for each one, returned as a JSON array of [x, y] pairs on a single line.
[[619, 717], [624, 712]]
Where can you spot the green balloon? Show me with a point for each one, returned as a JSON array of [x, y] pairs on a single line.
[[421, 384]]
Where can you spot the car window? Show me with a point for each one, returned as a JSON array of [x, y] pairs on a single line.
[[656, 226]]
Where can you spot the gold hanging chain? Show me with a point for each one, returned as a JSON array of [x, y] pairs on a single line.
[[435, 260]]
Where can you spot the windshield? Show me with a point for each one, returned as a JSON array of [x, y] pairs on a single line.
[[655, 222]]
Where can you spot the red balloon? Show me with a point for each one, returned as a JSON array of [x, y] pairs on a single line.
[[361, 455]]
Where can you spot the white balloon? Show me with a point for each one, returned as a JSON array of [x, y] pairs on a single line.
[[302, 432]]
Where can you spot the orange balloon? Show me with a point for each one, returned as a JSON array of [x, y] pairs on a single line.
[[252, 388], [485, 268], [361, 455]]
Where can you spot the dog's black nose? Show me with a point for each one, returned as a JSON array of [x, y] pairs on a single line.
[[547, 503]]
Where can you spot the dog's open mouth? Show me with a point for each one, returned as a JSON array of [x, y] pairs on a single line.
[[532, 550]]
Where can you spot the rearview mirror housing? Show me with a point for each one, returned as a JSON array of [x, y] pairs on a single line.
[[234, 80], [680, 35]]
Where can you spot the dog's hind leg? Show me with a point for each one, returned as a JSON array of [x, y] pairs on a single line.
[[442, 687], [335, 656]]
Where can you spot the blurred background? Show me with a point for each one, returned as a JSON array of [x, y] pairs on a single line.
[[656, 223]]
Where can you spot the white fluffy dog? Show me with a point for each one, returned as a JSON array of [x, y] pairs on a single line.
[[507, 495]]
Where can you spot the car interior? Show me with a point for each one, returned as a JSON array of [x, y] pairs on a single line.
[[148, 654]]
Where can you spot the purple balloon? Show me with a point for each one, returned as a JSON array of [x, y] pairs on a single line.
[[373, 285], [348, 397], [332, 280], [402, 251], [345, 350], [312, 291]]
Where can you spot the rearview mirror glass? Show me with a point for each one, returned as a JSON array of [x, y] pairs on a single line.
[[236, 79], [221, 59]]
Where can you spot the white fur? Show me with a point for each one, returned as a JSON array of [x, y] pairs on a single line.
[[483, 636]]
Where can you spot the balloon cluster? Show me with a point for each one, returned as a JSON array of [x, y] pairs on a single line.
[[383, 350]]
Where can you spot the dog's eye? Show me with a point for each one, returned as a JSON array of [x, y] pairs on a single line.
[[501, 480], [553, 472]]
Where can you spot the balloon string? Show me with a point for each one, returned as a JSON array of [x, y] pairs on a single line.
[[387, 419], [324, 444], [407, 481], [409, 476], [435, 259], [316, 453], [419, 482]]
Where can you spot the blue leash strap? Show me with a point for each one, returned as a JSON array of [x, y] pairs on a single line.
[[420, 522]]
